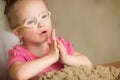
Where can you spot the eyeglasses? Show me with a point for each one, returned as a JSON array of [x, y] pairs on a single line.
[[31, 22]]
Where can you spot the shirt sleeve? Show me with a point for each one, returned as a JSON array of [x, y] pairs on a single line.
[[14, 56], [67, 44]]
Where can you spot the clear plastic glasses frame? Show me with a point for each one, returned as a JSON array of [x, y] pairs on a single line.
[[31, 22]]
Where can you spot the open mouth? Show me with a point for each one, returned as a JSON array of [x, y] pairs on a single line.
[[43, 32]]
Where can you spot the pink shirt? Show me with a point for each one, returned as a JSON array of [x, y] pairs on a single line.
[[20, 53]]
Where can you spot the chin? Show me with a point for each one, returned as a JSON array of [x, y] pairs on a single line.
[[44, 40]]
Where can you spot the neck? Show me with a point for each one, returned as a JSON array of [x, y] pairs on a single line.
[[37, 49]]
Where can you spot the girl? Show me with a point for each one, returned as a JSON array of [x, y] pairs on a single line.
[[40, 50]]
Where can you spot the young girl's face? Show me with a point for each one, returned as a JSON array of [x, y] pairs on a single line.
[[33, 20]]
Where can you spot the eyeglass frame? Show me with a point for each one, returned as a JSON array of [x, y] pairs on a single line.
[[37, 19]]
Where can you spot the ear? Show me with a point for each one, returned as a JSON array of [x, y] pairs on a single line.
[[46, 4], [17, 33]]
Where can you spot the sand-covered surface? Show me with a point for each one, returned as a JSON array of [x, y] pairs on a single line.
[[98, 72]]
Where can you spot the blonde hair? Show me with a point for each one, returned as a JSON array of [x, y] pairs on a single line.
[[8, 6]]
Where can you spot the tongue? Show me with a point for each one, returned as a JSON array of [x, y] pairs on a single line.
[[43, 32]]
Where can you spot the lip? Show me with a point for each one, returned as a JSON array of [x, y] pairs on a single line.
[[43, 32]]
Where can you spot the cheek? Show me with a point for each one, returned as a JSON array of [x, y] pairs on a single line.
[[28, 36], [49, 23], [27, 32]]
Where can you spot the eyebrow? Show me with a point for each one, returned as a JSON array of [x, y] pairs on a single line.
[[34, 17], [42, 12]]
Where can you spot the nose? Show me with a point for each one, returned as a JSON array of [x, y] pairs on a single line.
[[40, 24]]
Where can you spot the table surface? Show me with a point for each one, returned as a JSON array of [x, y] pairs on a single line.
[[115, 64]]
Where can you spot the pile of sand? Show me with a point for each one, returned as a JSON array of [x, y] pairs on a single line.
[[84, 73]]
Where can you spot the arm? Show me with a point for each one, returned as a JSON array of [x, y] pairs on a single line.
[[27, 70], [76, 59], [24, 71]]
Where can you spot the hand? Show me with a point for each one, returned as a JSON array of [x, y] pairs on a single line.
[[54, 51], [62, 50]]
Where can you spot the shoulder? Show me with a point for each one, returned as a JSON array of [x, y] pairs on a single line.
[[17, 50], [17, 54], [64, 41]]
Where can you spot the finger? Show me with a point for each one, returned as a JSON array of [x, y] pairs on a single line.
[[54, 38], [60, 43], [61, 47], [53, 34]]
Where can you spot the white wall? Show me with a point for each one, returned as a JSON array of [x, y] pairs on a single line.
[[93, 26]]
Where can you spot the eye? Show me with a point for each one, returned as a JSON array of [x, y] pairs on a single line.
[[44, 16], [31, 21]]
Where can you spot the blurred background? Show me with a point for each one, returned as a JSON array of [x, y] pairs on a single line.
[[93, 26]]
